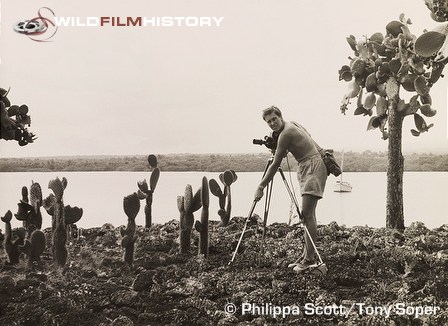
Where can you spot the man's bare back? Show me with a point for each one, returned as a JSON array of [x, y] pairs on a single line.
[[297, 141]]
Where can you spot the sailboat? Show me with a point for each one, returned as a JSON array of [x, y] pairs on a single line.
[[342, 186]]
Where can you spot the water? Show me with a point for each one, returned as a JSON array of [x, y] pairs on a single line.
[[100, 194]]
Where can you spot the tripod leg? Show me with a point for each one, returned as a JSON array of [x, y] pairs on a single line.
[[267, 205], [269, 162], [244, 230]]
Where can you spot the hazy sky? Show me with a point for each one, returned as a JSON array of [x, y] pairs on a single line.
[[141, 90]]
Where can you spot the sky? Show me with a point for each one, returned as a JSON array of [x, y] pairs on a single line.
[[189, 89]]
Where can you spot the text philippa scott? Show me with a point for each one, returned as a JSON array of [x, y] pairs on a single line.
[[163, 21]]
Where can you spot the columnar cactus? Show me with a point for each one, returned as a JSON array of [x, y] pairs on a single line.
[[146, 192], [71, 214], [187, 205], [29, 210], [24, 207], [35, 216], [131, 206], [202, 226], [59, 235], [227, 178], [12, 246], [34, 246]]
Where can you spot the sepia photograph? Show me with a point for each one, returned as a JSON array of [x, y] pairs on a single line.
[[205, 162]]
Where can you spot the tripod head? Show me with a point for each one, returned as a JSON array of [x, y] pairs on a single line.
[[268, 141]]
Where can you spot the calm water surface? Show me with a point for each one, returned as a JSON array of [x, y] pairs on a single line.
[[100, 194]]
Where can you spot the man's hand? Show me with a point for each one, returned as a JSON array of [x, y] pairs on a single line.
[[258, 193]]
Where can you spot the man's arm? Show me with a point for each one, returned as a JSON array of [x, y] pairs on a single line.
[[280, 153]]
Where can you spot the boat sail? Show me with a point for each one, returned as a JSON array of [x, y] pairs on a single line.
[[342, 186]]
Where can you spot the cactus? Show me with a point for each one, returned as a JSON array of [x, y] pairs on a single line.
[[59, 231], [146, 192], [34, 246], [29, 209], [13, 121], [35, 216], [187, 205], [12, 247], [202, 226], [131, 206], [227, 178], [71, 214], [24, 208]]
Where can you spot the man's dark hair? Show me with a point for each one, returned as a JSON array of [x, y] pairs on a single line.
[[272, 109]]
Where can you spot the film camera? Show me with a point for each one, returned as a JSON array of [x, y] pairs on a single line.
[[268, 141]]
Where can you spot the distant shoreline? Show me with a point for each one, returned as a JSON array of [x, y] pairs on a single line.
[[367, 161]]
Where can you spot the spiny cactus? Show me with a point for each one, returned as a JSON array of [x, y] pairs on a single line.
[[131, 206], [24, 207], [227, 178], [202, 226], [146, 192], [29, 209], [35, 216], [34, 246], [12, 246], [59, 231], [187, 205], [71, 214]]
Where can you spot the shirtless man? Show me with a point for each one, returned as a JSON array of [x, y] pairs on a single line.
[[312, 174]]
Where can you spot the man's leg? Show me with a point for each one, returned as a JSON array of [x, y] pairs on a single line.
[[309, 204]]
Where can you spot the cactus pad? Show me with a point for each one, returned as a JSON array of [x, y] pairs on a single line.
[[152, 160], [131, 205], [23, 210], [188, 198], [228, 177], [205, 197], [143, 186], [8, 217], [35, 194], [49, 203], [25, 194], [57, 186], [72, 214], [154, 179], [214, 188]]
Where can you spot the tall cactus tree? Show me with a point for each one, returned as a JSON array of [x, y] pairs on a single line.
[[383, 66], [187, 205], [202, 226], [225, 208], [146, 192]]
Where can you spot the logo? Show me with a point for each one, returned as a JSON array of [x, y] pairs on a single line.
[[40, 28]]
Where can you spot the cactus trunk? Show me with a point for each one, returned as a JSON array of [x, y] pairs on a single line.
[[185, 242], [59, 236], [202, 226], [148, 210], [131, 206], [395, 168]]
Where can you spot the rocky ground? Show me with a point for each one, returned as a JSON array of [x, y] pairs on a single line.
[[370, 271]]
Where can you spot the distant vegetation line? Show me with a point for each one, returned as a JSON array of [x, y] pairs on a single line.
[[367, 161]]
